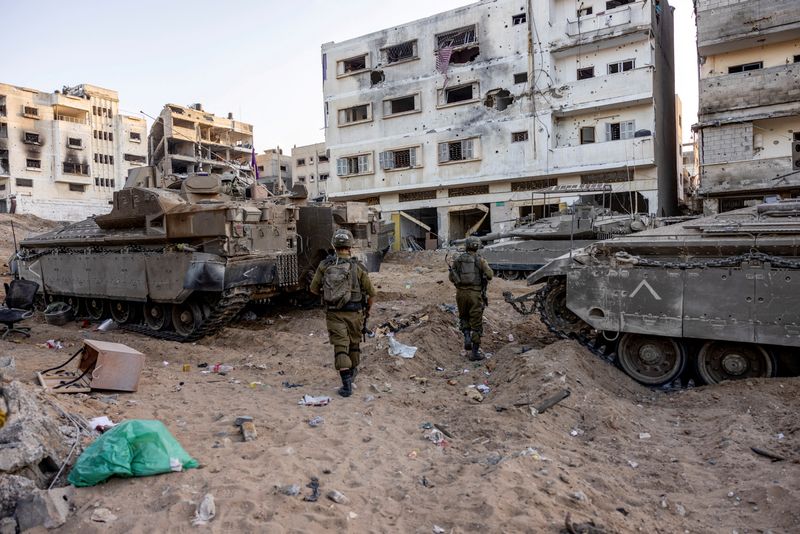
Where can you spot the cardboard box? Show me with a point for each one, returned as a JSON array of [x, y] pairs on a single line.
[[113, 366]]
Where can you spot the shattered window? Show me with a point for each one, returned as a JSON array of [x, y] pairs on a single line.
[[401, 51], [135, 136], [455, 38], [31, 138], [355, 64]]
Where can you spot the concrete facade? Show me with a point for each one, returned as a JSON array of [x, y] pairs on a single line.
[[310, 166], [186, 139], [465, 145], [63, 154], [273, 163], [748, 129]]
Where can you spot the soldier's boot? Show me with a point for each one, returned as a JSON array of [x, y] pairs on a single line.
[[476, 352], [347, 382], [467, 339], [355, 359]]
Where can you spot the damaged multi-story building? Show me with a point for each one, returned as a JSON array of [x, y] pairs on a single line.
[[311, 167], [274, 170], [748, 129], [187, 139], [63, 154], [460, 120]]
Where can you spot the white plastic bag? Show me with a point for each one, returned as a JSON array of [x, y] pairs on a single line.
[[398, 349]]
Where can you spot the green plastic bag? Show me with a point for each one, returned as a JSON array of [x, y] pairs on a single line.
[[135, 448]]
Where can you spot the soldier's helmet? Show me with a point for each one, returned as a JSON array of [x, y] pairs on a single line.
[[472, 243], [342, 238]]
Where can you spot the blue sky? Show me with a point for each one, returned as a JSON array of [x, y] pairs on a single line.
[[259, 60]]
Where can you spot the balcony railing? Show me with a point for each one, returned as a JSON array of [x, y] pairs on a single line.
[[745, 90], [592, 24], [67, 118]]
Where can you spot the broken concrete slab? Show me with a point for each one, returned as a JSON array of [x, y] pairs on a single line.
[[44, 508]]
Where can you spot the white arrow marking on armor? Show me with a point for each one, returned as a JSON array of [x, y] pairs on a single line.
[[248, 272], [644, 283]]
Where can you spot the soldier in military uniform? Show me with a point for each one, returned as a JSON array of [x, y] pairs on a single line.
[[470, 273], [348, 294]]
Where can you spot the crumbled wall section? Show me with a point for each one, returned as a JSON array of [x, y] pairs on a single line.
[[727, 143], [764, 87]]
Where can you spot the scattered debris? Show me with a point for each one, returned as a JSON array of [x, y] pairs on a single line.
[[438, 530], [103, 515], [473, 394], [767, 454], [292, 490], [102, 423], [314, 485], [249, 431], [308, 400], [107, 326], [644, 435], [547, 403], [581, 528], [337, 497], [316, 421], [221, 369], [289, 385], [205, 512], [43, 508], [398, 349]]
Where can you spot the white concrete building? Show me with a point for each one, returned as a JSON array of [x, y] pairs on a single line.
[[748, 127], [454, 117], [310, 166], [63, 154]]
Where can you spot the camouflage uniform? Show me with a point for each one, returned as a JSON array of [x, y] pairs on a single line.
[[470, 308], [344, 326]]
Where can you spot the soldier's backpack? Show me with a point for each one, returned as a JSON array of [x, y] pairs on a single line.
[[466, 271], [340, 284]]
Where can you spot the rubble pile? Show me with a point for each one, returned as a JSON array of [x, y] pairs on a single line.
[[35, 442]]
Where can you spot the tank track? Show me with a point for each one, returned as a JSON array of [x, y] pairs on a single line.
[[604, 351], [223, 312]]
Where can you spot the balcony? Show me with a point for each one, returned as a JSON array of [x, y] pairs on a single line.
[[612, 25], [745, 90], [738, 25], [601, 156], [603, 92]]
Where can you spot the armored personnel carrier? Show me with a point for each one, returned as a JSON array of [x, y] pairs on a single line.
[[717, 293], [175, 263], [531, 244]]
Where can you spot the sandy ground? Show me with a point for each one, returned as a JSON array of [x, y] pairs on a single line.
[[628, 458]]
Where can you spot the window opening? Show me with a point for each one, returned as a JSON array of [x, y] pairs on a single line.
[[24, 182], [74, 142], [518, 19], [587, 135], [586, 73], [585, 12], [301, 161], [402, 105], [621, 66], [517, 137], [400, 52], [31, 138], [75, 168], [355, 114], [3, 130], [611, 4], [135, 136], [376, 77], [458, 94], [33, 163], [398, 159], [355, 64], [79, 188], [521, 77], [620, 130], [456, 151], [746, 67], [498, 99], [456, 38], [352, 165]]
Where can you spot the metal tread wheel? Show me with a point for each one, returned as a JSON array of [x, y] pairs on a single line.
[[157, 315], [718, 361], [95, 308], [186, 318], [555, 312], [121, 311], [651, 360]]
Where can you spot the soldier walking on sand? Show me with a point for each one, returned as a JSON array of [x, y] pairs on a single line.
[[348, 294], [470, 273]]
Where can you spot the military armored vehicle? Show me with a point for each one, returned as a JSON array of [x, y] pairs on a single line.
[[175, 263], [525, 248], [717, 293]]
